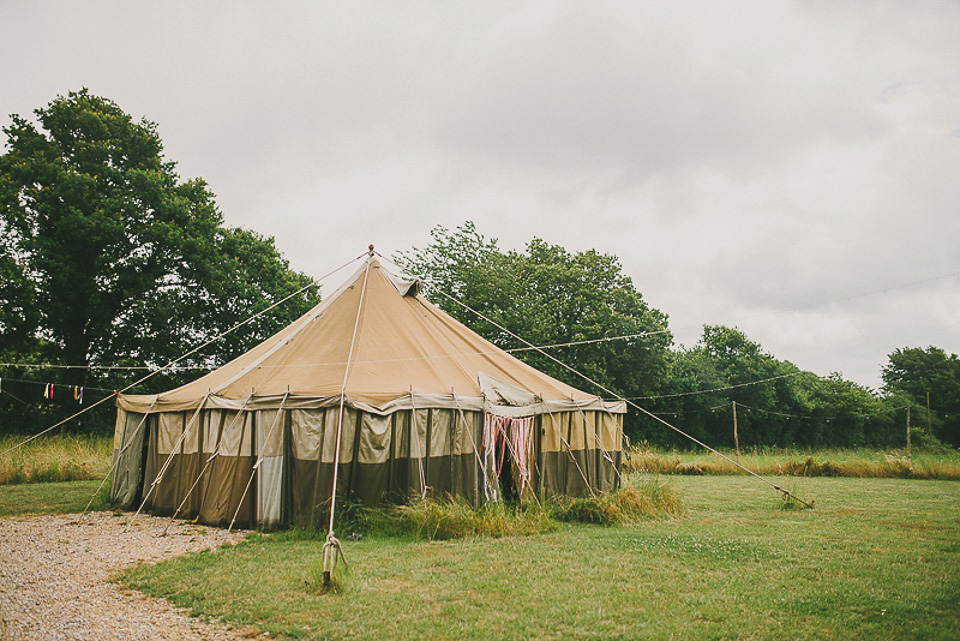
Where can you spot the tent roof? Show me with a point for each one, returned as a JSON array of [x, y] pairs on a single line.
[[407, 353]]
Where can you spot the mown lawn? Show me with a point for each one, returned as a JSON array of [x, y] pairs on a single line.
[[52, 498], [877, 559]]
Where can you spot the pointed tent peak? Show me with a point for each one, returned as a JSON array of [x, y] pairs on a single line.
[[405, 287], [402, 341], [370, 251]]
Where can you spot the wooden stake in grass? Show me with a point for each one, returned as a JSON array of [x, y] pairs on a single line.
[[908, 432], [736, 438]]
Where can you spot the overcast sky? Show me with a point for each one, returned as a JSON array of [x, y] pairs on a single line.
[[790, 168]]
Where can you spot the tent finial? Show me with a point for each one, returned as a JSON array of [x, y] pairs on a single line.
[[370, 247]]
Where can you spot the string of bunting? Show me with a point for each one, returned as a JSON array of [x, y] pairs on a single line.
[[54, 391]]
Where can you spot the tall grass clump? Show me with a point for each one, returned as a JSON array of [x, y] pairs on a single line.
[[454, 518], [648, 500], [447, 518], [790, 502], [55, 458]]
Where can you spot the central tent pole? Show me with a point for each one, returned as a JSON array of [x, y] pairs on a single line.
[[331, 549]]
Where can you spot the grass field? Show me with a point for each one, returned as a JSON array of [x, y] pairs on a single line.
[[877, 559]]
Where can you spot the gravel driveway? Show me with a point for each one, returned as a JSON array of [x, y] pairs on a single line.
[[54, 576]]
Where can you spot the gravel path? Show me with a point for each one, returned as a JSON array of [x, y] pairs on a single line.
[[54, 578]]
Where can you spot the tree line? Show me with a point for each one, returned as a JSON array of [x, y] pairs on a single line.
[[551, 296], [108, 257]]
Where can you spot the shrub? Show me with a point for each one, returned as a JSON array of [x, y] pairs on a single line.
[[649, 500]]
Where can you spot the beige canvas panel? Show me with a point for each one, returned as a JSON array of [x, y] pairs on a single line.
[[418, 434], [467, 433], [270, 432], [375, 441], [169, 432], [609, 428], [191, 442], [235, 440], [587, 428], [401, 435], [214, 421], [306, 428], [171, 426], [328, 445], [210, 424], [590, 433], [565, 421], [578, 432], [440, 437], [348, 432], [551, 440]]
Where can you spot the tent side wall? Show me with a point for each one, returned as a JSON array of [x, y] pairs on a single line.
[[202, 464], [387, 460], [580, 453]]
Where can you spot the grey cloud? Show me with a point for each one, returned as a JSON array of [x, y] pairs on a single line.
[[747, 161]]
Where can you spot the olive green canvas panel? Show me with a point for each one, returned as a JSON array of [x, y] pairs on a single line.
[[128, 459]]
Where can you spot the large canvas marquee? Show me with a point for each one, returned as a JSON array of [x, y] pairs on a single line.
[[428, 408]]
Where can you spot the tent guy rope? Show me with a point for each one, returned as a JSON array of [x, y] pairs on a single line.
[[786, 493]]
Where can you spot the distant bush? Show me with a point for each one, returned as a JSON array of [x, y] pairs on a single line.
[[924, 441]]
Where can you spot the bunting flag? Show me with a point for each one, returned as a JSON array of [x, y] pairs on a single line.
[[48, 390], [78, 394]]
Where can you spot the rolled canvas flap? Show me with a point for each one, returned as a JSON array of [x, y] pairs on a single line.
[[500, 393]]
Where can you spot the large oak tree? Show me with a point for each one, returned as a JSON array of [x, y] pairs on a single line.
[[108, 256]]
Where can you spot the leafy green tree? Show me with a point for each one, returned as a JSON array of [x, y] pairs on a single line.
[[687, 402], [549, 296], [777, 403], [846, 414], [109, 257], [770, 409], [18, 310], [914, 373]]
